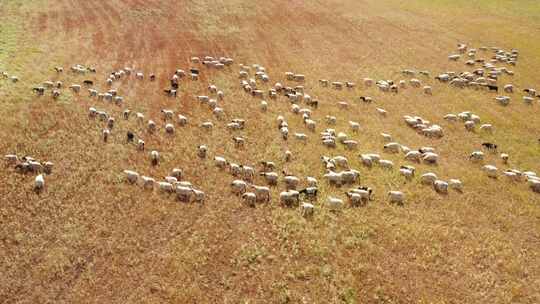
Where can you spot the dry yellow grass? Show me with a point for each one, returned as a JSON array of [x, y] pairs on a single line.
[[90, 237]]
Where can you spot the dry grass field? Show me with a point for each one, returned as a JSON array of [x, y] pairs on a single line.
[[90, 237]]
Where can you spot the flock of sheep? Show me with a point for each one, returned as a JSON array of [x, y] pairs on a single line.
[[254, 81]]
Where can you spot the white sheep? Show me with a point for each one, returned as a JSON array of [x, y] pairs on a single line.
[[262, 193], [392, 147], [184, 193], [455, 184], [428, 178], [413, 156], [306, 210], [249, 199], [165, 187], [334, 204], [311, 181], [270, 177], [476, 156], [131, 176], [440, 186], [140, 145], [386, 164], [39, 183], [238, 186], [487, 128], [355, 126], [382, 112], [169, 128], [504, 158], [154, 158], [490, 170], [220, 162], [148, 182], [396, 197], [386, 137], [430, 158]]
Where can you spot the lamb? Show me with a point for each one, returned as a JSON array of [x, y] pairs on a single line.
[[334, 204], [39, 183], [154, 158], [199, 196], [364, 194], [396, 197]]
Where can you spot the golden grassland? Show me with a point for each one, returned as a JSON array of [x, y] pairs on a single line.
[[90, 237]]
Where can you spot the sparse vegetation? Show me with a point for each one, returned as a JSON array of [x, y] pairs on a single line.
[[90, 237]]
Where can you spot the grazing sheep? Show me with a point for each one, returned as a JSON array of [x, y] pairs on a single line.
[[239, 187], [311, 181], [289, 198], [165, 187], [39, 183], [428, 178], [148, 182], [140, 145], [270, 177], [306, 210], [386, 164], [490, 170], [249, 199], [430, 158], [440, 186], [154, 158], [334, 204], [209, 125], [366, 160], [413, 156], [202, 151], [386, 137], [262, 193], [11, 159], [455, 184], [151, 126], [504, 158], [487, 128], [392, 147], [355, 126], [184, 194], [408, 173], [105, 134], [75, 88], [288, 156], [381, 112], [169, 128], [427, 90], [220, 162], [396, 197]]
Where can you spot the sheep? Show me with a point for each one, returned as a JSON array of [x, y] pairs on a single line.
[[368, 82], [334, 178], [311, 181], [413, 156], [491, 171], [486, 128], [75, 88], [336, 85], [202, 151], [386, 137], [355, 126], [504, 158], [140, 145], [169, 128], [262, 193], [364, 193], [154, 158], [534, 185], [268, 166], [148, 182], [408, 173], [430, 158], [39, 183], [171, 179], [428, 178], [291, 182], [334, 204], [455, 184], [513, 176], [509, 88], [428, 90], [381, 112], [489, 146], [355, 199], [306, 210], [238, 186], [181, 120], [396, 197], [287, 156], [349, 176], [151, 126], [386, 164], [199, 196], [165, 187], [503, 100], [220, 162], [451, 117], [184, 193], [366, 160], [263, 106], [11, 159], [289, 198], [140, 117], [249, 199], [350, 144], [392, 147], [528, 100], [301, 137], [454, 57], [440, 186], [209, 125], [415, 83], [270, 177], [105, 134]]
